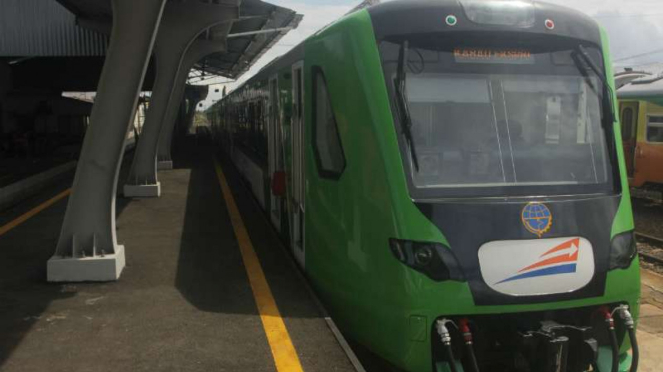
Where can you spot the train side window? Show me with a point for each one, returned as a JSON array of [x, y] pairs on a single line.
[[327, 146], [655, 129], [627, 124]]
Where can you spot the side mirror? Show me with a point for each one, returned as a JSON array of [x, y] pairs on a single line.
[[278, 183]]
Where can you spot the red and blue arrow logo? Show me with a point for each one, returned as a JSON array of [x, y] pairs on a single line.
[[562, 259]]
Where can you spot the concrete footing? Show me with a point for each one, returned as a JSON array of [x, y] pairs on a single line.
[[104, 268], [142, 191], [165, 165]]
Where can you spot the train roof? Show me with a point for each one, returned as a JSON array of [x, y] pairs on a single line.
[[419, 16], [426, 16], [647, 88]]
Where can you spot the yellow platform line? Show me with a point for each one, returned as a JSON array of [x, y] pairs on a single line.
[[34, 211], [283, 351]]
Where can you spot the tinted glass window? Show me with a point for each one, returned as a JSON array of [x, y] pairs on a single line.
[[655, 129], [550, 132], [327, 141]]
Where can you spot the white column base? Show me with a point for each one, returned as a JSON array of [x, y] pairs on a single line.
[[87, 269], [142, 191], [164, 165]]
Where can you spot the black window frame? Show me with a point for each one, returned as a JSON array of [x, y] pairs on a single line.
[[649, 122], [613, 186], [322, 171]]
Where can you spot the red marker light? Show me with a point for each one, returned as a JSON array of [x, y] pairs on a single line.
[[550, 24]]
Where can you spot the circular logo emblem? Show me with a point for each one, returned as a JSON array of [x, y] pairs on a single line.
[[537, 218], [451, 20]]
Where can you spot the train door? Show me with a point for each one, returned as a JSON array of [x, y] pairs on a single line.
[[274, 149], [629, 119], [298, 177]]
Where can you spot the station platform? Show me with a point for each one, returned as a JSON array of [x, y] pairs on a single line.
[[185, 300], [15, 169]]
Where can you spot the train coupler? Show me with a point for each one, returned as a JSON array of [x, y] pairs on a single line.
[[559, 348]]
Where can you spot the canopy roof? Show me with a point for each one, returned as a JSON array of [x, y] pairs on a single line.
[[60, 45], [259, 27]]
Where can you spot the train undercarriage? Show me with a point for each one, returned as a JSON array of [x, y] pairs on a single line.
[[574, 340]]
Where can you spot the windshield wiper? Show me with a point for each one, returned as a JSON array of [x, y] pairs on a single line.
[[403, 109], [607, 104]]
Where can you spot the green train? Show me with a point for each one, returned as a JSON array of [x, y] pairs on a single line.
[[449, 174]]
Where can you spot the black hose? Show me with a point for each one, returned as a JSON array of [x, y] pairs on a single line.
[[450, 358], [474, 366], [636, 351], [615, 349]]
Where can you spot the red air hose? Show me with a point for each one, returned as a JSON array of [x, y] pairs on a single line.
[[464, 327], [613, 337]]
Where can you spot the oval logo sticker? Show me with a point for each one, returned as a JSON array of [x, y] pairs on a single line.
[[537, 267]]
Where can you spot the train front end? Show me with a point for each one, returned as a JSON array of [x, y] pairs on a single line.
[[505, 119]]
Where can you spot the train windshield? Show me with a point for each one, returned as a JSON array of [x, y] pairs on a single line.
[[489, 120]]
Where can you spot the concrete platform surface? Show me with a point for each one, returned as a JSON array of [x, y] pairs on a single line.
[[650, 326], [183, 302]]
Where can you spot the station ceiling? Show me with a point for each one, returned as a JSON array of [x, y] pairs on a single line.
[[248, 39], [60, 44]]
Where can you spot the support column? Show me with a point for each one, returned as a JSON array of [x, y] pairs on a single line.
[[197, 51], [189, 111], [194, 99], [181, 114], [182, 23], [87, 249]]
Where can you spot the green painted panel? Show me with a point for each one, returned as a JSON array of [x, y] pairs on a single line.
[[374, 298]]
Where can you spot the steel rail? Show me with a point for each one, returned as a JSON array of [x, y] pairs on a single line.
[[657, 242]]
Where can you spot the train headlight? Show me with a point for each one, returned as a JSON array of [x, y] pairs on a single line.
[[423, 255], [433, 259], [623, 250]]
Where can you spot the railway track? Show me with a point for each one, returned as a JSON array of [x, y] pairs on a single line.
[[654, 242], [650, 195]]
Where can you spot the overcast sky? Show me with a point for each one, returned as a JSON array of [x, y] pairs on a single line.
[[635, 27]]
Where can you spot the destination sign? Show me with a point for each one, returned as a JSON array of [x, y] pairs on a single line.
[[487, 55]]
